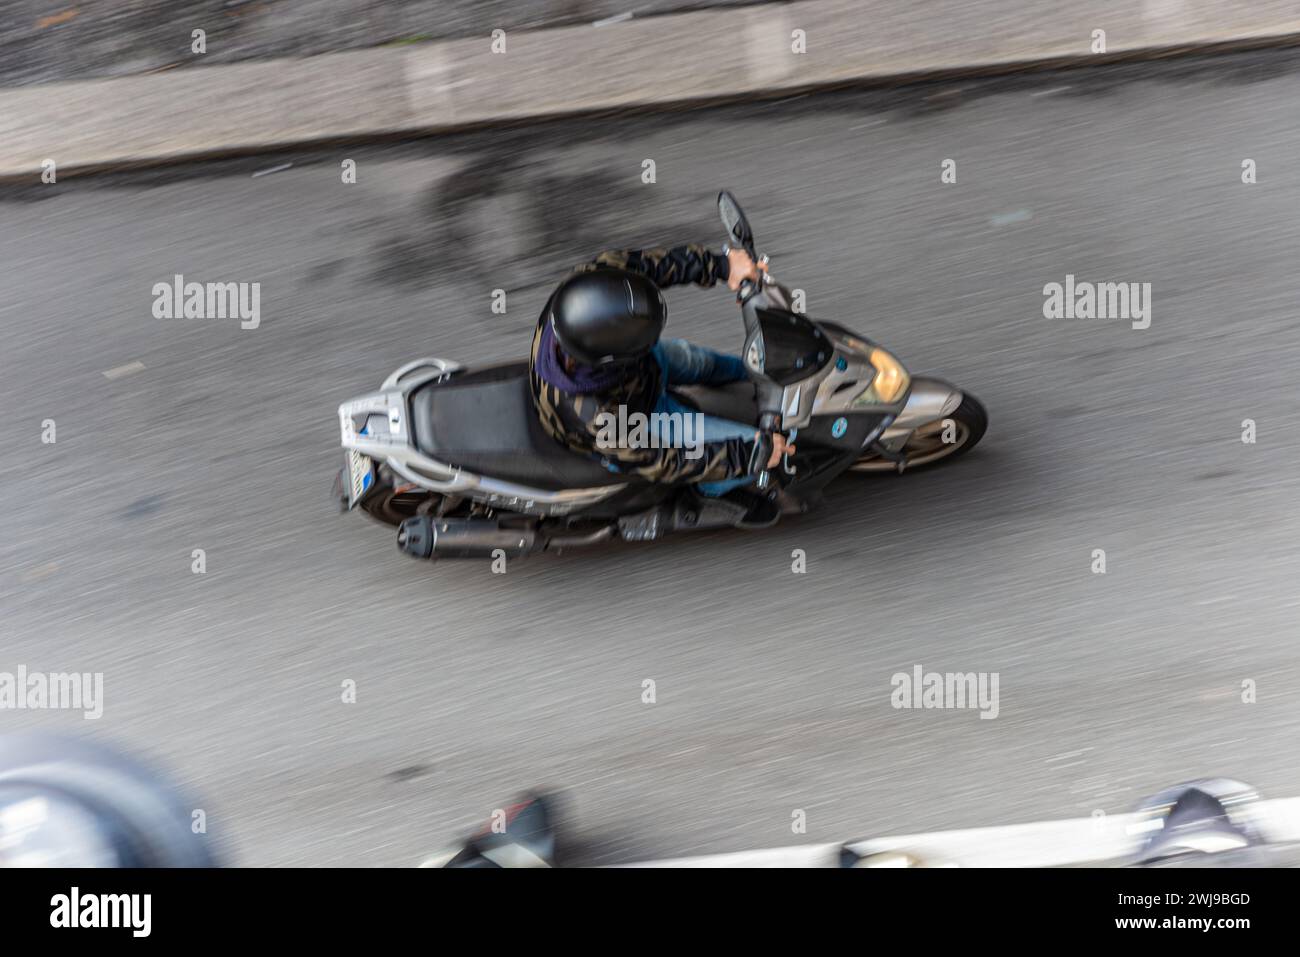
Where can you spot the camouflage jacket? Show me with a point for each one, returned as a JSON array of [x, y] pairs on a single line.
[[573, 419]]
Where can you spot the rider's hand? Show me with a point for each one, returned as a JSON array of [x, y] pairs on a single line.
[[780, 447], [740, 267]]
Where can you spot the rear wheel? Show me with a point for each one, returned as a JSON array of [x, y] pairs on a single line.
[[394, 504], [939, 441]]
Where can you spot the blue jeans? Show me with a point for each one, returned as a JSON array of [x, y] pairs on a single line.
[[686, 364]]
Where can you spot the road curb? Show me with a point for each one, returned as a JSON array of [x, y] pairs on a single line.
[[662, 62]]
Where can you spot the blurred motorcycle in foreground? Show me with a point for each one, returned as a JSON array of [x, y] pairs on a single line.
[[1214, 822]]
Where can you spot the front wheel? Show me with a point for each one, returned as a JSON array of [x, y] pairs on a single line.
[[939, 441]]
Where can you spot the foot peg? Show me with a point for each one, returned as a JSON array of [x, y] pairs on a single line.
[[690, 512], [645, 526], [694, 511], [760, 511], [739, 508]]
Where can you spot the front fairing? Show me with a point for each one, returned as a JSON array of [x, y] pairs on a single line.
[[821, 369]]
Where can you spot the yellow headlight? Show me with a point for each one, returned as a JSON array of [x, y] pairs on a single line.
[[891, 378]]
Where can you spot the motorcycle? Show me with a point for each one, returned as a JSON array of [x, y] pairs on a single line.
[[458, 459]]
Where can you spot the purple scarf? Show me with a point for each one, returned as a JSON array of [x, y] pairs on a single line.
[[584, 380]]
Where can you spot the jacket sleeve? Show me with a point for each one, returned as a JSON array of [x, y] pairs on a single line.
[[712, 461], [669, 267]]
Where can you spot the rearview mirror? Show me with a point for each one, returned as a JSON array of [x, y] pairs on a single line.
[[733, 220]]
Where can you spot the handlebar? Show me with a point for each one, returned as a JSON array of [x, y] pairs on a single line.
[[748, 287], [763, 446], [769, 423], [769, 394]]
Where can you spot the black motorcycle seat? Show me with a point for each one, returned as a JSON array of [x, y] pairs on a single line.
[[484, 421]]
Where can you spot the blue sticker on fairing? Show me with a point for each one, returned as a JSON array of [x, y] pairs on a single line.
[[841, 363], [839, 427]]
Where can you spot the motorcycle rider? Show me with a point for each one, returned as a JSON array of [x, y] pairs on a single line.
[[597, 347]]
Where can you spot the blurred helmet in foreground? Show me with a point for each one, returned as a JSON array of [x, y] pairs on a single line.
[[65, 802]]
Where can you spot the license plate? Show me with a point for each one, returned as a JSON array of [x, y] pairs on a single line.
[[361, 475]]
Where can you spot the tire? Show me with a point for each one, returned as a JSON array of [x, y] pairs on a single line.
[[393, 505], [971, 420]]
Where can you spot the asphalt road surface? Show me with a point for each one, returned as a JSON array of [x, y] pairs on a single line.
[[773, 689]]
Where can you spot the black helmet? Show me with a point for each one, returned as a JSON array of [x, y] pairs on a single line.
[[607, 316]]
